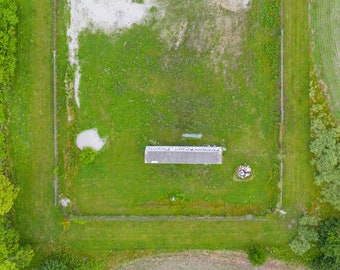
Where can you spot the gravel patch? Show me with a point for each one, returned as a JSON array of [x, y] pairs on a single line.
[[90, 138], [100, 15], [204, 260]]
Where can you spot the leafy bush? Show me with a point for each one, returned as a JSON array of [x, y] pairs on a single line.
[[64, 260], [54, 265], [7, 195], [257, 255], [12, 255], [325, 146], [306, 235], [88, 155], [8, 21]]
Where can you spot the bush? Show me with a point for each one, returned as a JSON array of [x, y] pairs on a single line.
[[54, 265], [328, 245], [257, 255], [88, 155], [325, 146], [67, 260], [306, 235], [8, 21]]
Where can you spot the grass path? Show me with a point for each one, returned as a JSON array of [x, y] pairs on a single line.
[[298, 178], [31, 124]]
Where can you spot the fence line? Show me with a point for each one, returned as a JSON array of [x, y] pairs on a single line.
[[55, 120], [281, 135], [169, 218]]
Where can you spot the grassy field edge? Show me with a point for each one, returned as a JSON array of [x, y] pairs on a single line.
[[31, 125]]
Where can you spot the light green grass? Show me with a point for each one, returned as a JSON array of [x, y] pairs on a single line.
[[326, 37], [137, 92], [31, 125], [298, 172], [175, 235]]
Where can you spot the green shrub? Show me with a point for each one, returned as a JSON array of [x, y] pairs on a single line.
[[325, 146], [306, 236], [65, 260], [328, 245], [257, 255], [88, 155], [8, 21], [8, 193], [54, 265]]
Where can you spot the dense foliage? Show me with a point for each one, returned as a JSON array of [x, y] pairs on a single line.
[[12, 255], [66, 260], [328, 245], [257, 255], [7, 195], [306, 236], [325, 147], [8, 21]]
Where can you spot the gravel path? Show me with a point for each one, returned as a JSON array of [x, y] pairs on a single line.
[[203, 260]]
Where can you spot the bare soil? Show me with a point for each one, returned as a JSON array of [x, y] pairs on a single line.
[[203, 260]]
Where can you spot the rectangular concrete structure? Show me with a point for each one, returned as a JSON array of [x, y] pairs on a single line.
[[183, 154]]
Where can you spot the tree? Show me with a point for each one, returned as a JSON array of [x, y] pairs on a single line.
[[8, 21], [329, 245], [257, 255], [7, 195], [306, 235], [331, 193], [12, 255]]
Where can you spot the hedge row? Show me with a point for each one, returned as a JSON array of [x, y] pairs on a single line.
[[325, 146], [12, 255]]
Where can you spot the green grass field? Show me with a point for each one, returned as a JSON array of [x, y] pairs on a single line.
[[326, 37], [31, 125], [137, 92], [31, 145]]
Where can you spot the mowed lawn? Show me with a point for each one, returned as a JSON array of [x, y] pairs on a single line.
[[137, 92], [31, 125], [325, 17]]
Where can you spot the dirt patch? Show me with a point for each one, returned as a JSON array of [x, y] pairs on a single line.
[[211, 28], [104, 15], [233, 5], [203, 260]]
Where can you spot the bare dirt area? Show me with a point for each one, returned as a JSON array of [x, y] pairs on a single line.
[[104, 15], [203, 260], [212, 28]]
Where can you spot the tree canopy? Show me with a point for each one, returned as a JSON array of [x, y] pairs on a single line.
[[7, 195]]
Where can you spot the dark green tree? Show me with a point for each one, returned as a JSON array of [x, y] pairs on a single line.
[[12, 255], [328, 245]]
